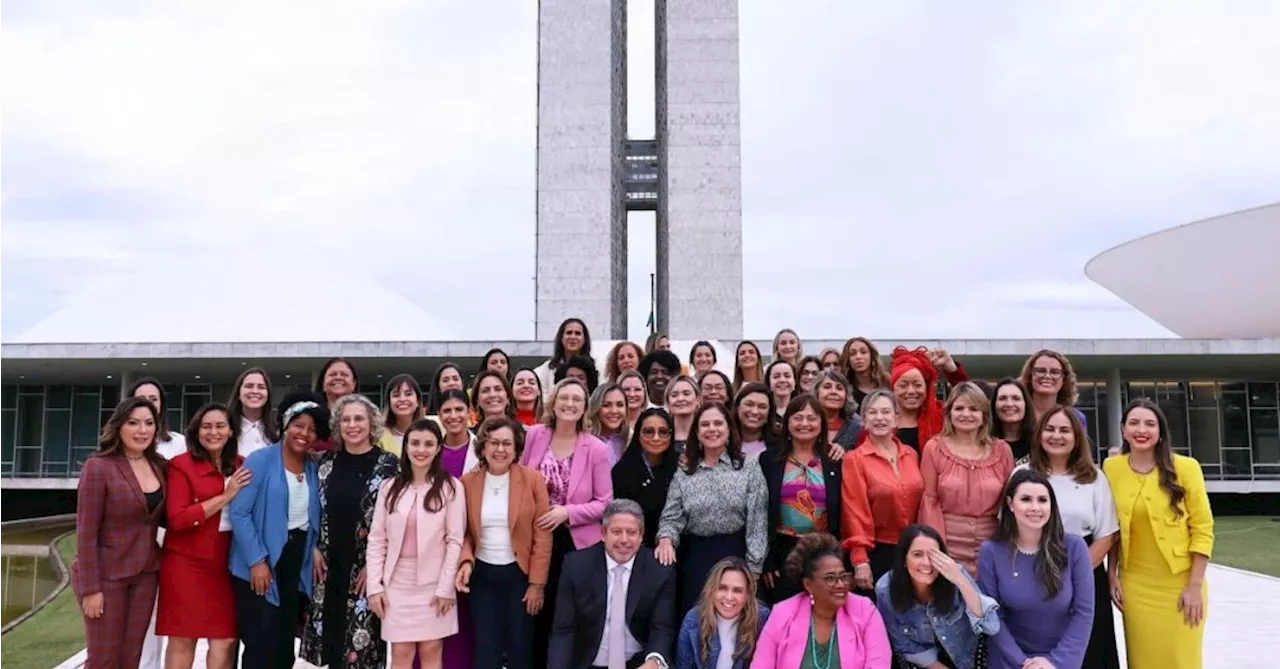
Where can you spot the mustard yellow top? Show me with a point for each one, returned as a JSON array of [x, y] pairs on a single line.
[[1177, 536]]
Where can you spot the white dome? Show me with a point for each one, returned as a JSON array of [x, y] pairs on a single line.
[[235, 299]]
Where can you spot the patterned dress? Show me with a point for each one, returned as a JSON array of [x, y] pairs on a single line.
[[361, 641]]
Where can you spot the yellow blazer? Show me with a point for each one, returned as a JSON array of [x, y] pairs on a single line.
[[1177, 536]]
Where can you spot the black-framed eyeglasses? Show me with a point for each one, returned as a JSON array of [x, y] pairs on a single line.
[[651, 432]]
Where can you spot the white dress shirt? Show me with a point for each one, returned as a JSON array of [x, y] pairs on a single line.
[[633, 646], [251, 437]]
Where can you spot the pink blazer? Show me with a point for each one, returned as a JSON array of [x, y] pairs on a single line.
[[860, 635], [590, 480], [439, 540]]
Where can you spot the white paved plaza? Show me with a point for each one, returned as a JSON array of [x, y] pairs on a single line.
[[1242, 606]]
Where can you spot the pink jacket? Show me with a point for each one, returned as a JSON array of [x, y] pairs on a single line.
[[590, 480], [439, 540], [861, 636]]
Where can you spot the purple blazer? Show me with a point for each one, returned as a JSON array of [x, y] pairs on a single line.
[[590, 480]]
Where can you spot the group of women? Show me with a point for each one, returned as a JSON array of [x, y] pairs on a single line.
[[820, 511]]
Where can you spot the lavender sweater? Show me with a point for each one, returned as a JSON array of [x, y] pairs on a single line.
[[1057, 629]]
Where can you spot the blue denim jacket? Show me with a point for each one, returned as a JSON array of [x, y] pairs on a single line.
[[689, 645], [917, 632]]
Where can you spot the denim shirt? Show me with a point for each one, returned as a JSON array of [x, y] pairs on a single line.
[[689, 643], [917, 632]]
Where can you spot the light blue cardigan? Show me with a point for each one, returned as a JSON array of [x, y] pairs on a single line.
[[260, 518]]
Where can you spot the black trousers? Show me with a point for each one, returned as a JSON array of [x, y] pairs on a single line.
[[561, 545], [496, 606], [267, 631]]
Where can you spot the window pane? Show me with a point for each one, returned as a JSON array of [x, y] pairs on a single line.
[[174, 416], [1235, 421], [1265, 426], [1212, 472], [1270, 472], [1088, 395], [172, 393], [27, 462], [1262, 395], [57, 436], [78, 456], [1236, 463], [30, 416], [9, 396], [58, 469], [1135, 390], [85, 421], [59, 397], [110, 397], [1174, 404], [1202, 394], [190, 405], [8, 434], [223, 393], [1204, 434]]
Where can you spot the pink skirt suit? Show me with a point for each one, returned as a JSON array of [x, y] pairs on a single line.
[[412, 558]]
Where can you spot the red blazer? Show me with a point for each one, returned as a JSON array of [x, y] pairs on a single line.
[[191, 483], [115, 536]]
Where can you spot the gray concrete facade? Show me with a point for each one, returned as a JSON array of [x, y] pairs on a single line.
[[581, 223], [582, 168], [700, 159]]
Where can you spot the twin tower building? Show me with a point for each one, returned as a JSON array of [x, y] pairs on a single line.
[[591, 174]]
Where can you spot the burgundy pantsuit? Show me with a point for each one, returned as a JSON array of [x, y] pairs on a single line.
[[117, 555]]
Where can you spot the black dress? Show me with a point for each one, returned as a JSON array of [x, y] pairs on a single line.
[[346, 490], [634, 478]]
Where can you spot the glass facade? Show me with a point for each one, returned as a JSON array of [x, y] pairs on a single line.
[[1232, 428], [48, 430]]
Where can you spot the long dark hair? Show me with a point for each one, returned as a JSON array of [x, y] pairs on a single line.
[[1026, 427], [785, 444], [558, 353], [767, 434], [162, 422], [506, 388], [484, 361], [1080, 463], [902, 593], [109, 440], [1163, 453], [669, 457], [393, 385], [270, 432], [226, 464], [1051, 558], [434, 395], [437, 478], [693, 446]]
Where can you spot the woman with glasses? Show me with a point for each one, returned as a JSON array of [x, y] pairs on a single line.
[[824, 626], [644, 471], [1049, 377]]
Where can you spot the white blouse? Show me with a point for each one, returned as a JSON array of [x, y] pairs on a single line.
[[299, 501], [251, 437], [495, 533]]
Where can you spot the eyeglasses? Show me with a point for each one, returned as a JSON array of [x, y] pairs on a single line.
[[809, 372], [1047, 373], [505, 445], [651, 432], [832, 579]]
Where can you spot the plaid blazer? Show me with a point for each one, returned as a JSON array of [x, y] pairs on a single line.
[[115, 535]]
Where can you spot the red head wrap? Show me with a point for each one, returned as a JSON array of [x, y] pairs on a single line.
[[929, 419]]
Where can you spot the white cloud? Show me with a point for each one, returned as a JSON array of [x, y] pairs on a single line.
[[910, 169]]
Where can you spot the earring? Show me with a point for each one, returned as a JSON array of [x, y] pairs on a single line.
[[811, 602]]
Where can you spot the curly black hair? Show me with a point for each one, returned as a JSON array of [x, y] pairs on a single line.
[[810, 548]]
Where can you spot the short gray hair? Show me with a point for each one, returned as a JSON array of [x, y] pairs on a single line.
[[877, 394], [850, 408], [623, 507], [335, 418]]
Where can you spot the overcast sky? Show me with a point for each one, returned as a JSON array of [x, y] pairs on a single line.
[[910, 169]]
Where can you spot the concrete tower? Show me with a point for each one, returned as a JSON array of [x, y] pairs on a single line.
[[590, 174]]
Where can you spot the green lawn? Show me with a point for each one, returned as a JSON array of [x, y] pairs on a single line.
[[54, 633], [1247, 542]]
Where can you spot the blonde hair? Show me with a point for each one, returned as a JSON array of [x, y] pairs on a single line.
[[974, 395], [597, 401], [799, 345], [549, 407], [748, 620]]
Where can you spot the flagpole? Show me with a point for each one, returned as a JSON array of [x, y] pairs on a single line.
[[653, 302]]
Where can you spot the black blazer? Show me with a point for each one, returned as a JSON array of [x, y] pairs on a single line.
[[772, 468], [632, 480], [583, 599]]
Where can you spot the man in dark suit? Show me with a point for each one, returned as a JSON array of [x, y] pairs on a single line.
[[616, 606]]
